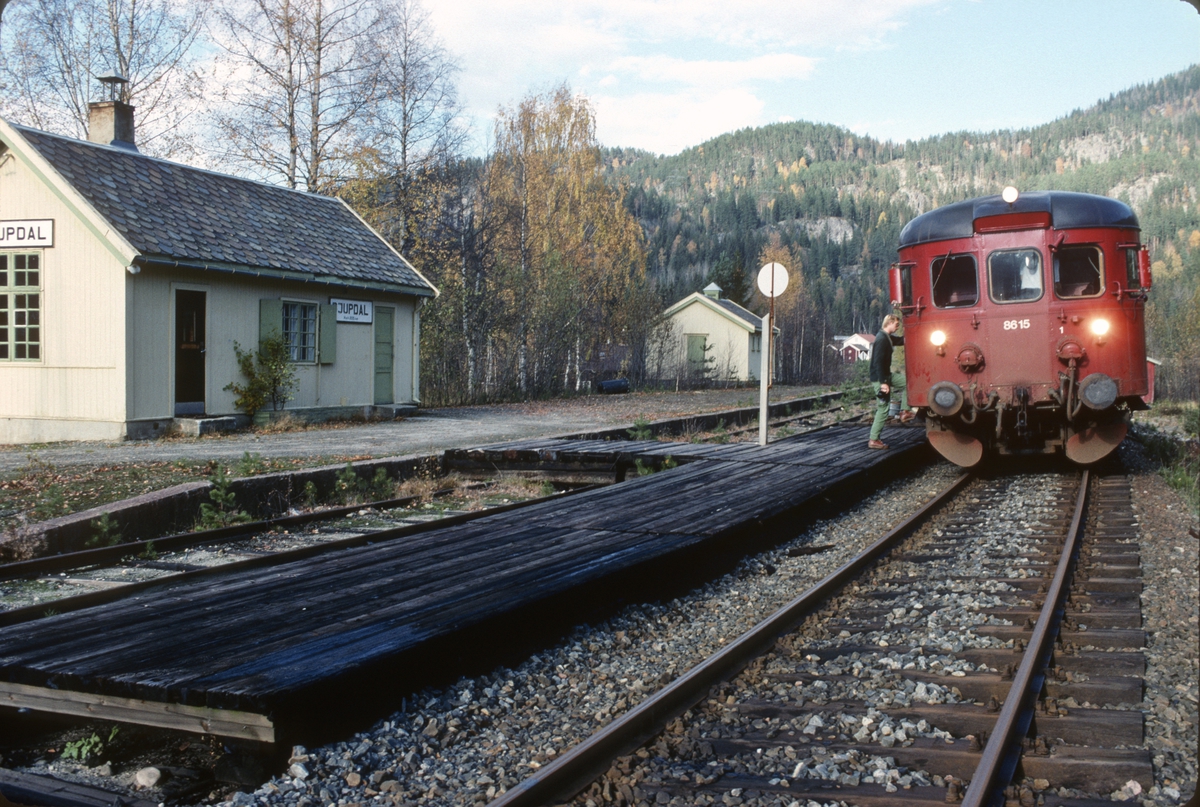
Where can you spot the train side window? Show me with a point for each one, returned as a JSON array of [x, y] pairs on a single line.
[[955, 281], [906, 293], [1133, 277], [1015, 275], [1078, 272]]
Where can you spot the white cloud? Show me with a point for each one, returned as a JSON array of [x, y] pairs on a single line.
[[706, 72], [667, 123], [680, 53]]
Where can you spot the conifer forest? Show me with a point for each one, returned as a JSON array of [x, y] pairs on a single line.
[[555, 254]]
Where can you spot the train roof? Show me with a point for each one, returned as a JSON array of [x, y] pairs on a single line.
[[1068, 210]]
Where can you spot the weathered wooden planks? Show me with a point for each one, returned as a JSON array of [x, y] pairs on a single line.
[[250, 640]]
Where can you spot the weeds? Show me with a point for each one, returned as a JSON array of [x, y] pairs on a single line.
[[1178, 461], [645, 470], [720, 433], [641, 430], [88, 747], [44, 481], [350, 488], [149, 553], [107, 532], [252, 465]]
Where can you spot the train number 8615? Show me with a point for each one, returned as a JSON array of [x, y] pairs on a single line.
[[1016, 324]]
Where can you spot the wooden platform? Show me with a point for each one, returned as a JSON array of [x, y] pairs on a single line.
[[231, 655]]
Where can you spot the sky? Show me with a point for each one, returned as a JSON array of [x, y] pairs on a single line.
[[665, 75]]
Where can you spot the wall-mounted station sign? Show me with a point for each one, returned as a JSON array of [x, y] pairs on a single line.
[[353, 310], [27, 234]]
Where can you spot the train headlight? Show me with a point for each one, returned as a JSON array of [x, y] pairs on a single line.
[[1100, 327], [938, 338]]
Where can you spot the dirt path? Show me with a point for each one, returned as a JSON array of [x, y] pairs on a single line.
[[428, 432]]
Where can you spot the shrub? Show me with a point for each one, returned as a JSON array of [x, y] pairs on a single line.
[[223, 511], [641, 430], [107, 532], [270, 376]]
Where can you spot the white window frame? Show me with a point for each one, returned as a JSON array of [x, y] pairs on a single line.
[[302, 353], [20, 320]]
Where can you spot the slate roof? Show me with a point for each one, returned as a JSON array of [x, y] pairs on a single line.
[[728, 306], [168, 211], [746, 316]]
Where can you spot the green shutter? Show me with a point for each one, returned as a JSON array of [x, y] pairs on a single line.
[[327, 335], [270, 319]]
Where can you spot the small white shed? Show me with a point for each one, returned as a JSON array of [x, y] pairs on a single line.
[[716, 338]]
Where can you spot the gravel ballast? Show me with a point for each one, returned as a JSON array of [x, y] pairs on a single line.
[[466, 743]]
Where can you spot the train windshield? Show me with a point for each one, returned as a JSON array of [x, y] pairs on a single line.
[[1015, 275], [1078, 272], [955, 281]]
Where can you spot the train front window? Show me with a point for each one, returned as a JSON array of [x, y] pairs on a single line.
[[1015, 275], [1078, 272], [955, 281]]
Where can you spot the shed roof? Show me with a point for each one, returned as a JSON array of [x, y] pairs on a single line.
[[176, 213], [727, 308]]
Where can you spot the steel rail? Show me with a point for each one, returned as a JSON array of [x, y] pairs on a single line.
[[183, 540], [573, 770], [1003, 749]]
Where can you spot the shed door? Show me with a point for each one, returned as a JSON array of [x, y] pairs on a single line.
[[385, 348], [695, 354], [189, 352]]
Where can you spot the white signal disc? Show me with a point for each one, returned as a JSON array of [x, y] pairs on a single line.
[[780, 275]]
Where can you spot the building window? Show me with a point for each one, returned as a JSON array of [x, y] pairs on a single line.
[[300, 331], [756, 343], [20, 307]]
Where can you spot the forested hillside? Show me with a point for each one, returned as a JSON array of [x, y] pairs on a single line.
[[835, 202]]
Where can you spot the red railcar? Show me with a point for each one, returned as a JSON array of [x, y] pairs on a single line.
[[1024, 323]]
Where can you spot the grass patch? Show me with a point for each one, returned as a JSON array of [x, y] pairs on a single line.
[[41, 490], [1178, 463]]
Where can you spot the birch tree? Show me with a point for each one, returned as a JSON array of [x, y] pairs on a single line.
[[573, 253], [319, 93], [298, 76], [51, 52]]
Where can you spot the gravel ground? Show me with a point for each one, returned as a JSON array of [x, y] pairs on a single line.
[[937, 614], [464, 744], [429, 431], [1170, 613]]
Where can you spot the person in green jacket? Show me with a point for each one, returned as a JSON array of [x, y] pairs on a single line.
[[884, 381]]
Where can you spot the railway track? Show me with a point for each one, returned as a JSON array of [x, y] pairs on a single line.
[[993, 657], [67, 581], [29, 589]]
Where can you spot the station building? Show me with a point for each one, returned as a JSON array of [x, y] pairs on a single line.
[[126, 280]]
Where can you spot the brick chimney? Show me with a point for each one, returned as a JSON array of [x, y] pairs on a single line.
[[111, 123]]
